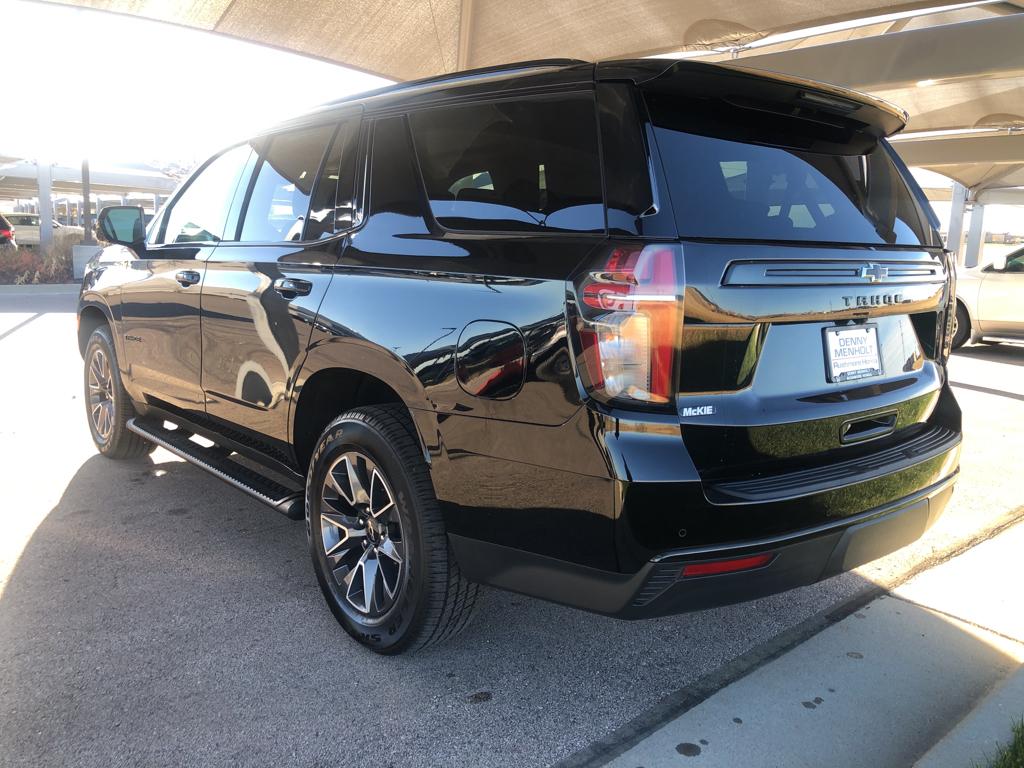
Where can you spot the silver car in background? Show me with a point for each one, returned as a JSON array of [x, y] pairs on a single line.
[[990, 300]]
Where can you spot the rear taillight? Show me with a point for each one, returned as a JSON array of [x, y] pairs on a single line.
[[7, 233], [630, 324]]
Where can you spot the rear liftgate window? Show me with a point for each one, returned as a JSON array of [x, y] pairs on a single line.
[[753, 189], [521, 165]]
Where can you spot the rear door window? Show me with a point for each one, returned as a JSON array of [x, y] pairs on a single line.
[[734, 189], [513, 165], [278, 200]]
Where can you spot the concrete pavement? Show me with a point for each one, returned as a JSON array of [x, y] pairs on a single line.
[[151, 615], [878, 688]]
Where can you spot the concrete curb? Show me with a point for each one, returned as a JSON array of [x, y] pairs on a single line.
[[976, 739], [41, 289]]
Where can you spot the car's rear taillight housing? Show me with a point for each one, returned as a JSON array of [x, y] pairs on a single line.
[[629, 324], [8, 233]]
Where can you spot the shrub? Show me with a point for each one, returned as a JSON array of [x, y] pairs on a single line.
[[34, 265]]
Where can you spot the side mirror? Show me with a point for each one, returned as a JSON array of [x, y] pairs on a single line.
[[122, 224], [999, 263]]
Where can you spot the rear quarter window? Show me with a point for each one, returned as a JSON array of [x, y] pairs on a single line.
[[520, 165]]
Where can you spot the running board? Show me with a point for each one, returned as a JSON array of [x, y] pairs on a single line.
[[287, 501]]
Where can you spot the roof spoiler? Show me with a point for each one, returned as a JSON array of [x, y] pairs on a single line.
[[747, 89]]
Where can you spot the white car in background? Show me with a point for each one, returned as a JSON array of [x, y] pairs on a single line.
[[990, 300], [26, 227]]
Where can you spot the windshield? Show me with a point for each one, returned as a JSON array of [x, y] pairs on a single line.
[[736, 190]]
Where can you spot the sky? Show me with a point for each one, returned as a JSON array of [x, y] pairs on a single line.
[[121, 89]]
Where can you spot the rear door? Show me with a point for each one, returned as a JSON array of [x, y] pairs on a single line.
[[160, 298], [1001, 296], [264, 284], [504, 201]]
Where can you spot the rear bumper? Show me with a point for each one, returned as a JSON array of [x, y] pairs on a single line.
[[658, 588]]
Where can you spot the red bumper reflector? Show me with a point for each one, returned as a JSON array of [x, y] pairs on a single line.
[[715, 567]]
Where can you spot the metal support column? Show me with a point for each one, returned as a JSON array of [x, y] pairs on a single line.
[[957, 207], [45, 182], [86, 200], [975, 236]]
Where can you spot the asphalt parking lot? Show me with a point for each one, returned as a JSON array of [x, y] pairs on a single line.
[[151, 615]]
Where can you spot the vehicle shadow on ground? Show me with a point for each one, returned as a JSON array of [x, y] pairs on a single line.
[[1010, 353], [157, 616]]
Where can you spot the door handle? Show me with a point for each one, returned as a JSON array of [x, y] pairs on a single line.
[[187, 277], [290, 287]]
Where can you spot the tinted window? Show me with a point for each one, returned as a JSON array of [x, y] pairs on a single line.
[[626, 171], [518, 165], [733, 189], [23, 220], [279, 195], [1015, 262], [200, 213], [332, 208]]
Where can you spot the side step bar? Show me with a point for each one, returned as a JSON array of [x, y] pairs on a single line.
[[286, 500]]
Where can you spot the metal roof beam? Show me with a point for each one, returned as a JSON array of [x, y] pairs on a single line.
[[1011, 196], [972, 49], [1000, 149]]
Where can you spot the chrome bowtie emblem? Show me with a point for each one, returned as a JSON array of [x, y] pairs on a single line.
[[874, 272]]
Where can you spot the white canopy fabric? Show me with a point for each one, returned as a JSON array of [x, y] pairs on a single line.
[[408, 39], [951, 68]]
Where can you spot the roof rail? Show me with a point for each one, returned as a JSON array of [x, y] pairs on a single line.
[[455, 77]]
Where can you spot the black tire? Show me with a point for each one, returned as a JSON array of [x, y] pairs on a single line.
[[962, 330], [114, 440], [433, 601]]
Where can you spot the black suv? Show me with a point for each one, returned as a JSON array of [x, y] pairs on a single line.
[[638, 337]]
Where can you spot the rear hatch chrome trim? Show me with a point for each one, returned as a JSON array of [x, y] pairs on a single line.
[[799, 273], [807, 482]]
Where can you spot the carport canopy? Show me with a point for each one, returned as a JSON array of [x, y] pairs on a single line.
[[411, 39], [957, 68]]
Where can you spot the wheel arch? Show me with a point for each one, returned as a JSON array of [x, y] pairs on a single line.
[[971, 317], [961, 301], [337, 377], [91, 315]]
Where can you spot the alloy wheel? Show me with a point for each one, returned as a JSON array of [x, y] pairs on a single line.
[[101, 394], [361, 532]]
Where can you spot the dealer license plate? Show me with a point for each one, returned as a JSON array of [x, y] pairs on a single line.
[[852, 353]]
